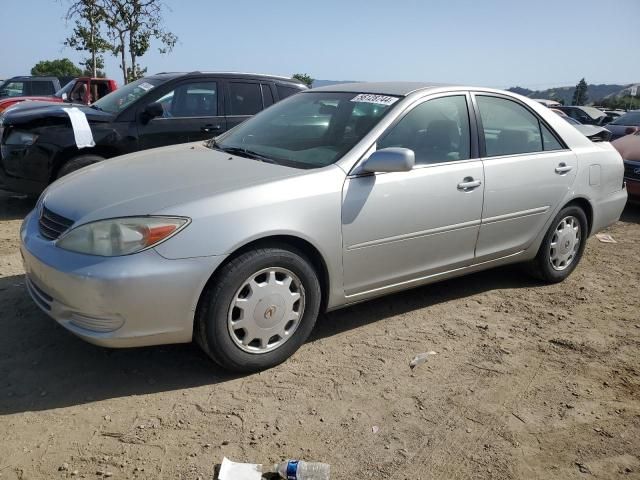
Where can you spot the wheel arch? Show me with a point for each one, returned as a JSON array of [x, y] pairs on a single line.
[[72, 152], [299, 244], [586, 206]]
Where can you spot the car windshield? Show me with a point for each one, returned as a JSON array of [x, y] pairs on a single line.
[[117, 101], [307, 130], [572, 121], [65, 90], [631, 118]]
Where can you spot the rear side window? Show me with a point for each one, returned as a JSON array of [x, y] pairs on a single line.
[[267, 96], [246, 98], [511, 129], [42, 88], [284, 91]]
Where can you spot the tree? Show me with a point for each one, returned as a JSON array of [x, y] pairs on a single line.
[[132, 25], [62, 67], [580, 95], [87, 36], [304, 78]]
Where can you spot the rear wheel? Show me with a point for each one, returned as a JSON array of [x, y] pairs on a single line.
[[562, 247], [259, 309], [77, 163]]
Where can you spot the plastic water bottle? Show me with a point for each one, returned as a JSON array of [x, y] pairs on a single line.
[[299, 470]]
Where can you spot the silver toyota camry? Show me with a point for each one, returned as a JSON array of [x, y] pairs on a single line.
[[330, 197]]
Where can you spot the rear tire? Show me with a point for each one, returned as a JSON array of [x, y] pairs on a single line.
[[77, 163], [258, 309], [562, 246]]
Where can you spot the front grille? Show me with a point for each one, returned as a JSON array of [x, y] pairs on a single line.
[[52, 225], [632, 171]]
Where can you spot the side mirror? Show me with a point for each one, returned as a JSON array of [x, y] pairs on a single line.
[[393, 159], [65, 97], [151, 111]]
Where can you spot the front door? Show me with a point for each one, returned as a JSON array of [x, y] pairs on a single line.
[[191, 112], [401, 227], [527, 170]]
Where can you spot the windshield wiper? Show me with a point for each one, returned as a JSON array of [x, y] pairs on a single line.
[[243, 152]]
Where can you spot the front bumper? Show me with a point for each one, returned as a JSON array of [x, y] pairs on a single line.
[[24, 169], [129, 301]]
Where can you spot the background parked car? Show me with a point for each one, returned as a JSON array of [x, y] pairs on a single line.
[[625, 125], [585, 115], [629, 148], [38, 143], [80, 90], [594, 132], [32, 85]]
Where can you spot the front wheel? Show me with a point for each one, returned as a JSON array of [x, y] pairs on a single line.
[[562, 247], [259, 309], [77, 163]]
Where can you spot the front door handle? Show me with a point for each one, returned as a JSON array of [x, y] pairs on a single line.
[[563, 168], [468, 183], [211, 128]]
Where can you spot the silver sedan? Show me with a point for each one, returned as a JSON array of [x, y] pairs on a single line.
[[331, 197]]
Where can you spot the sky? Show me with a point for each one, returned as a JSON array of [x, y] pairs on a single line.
[[497, 43]]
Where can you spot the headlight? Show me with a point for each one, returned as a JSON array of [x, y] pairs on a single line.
[[121, 236], [16, 137]]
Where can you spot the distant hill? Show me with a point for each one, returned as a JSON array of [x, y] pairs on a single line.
[[595, 92], [324, 83]]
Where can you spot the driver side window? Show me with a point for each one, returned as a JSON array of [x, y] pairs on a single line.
[[437, 131], [191, 100]]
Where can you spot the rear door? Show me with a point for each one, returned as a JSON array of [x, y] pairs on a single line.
[[527, 169], [192, 110], [244, 98]]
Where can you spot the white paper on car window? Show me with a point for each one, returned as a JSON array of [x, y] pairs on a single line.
[[373, 98], [81, 128], [239, 471], [145, 86]]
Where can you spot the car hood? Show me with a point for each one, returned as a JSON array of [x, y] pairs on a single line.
[[151, 181], [28, 114]]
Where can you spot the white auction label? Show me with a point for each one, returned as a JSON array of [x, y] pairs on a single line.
[[373, 98]]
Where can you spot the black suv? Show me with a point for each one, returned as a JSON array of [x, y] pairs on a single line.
[[38, 143], [29, 86]]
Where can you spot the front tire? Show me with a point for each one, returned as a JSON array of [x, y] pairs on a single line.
[[562, 246], [77, 163], [259, 309]]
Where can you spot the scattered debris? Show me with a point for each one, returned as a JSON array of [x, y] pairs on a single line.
[[605, 238], [239, 471], [518, 417], [562, 342], [420, 359], [582, 468], [483, 327], [375, 429]]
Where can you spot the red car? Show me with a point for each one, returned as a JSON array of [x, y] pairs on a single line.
[[629, 148], [84, 90]]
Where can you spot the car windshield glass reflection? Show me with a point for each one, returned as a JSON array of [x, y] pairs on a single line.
[[307, 130], [120, 99]]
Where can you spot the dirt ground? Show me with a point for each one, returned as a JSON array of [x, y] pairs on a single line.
[[529, 381]]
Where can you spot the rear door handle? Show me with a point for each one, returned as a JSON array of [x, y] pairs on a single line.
[[469, 184], [563, 168], [211, 128]]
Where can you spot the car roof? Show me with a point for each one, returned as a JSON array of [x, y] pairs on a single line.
[[32, 77], [593, 112], [382, 88], [171, 75]]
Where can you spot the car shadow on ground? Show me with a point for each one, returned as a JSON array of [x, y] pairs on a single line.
[[631, 213], [42, 366], [14, 207]]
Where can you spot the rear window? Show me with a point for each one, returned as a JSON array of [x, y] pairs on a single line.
[[42, 88], [631, 118], [284, 91], [246, 98]]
